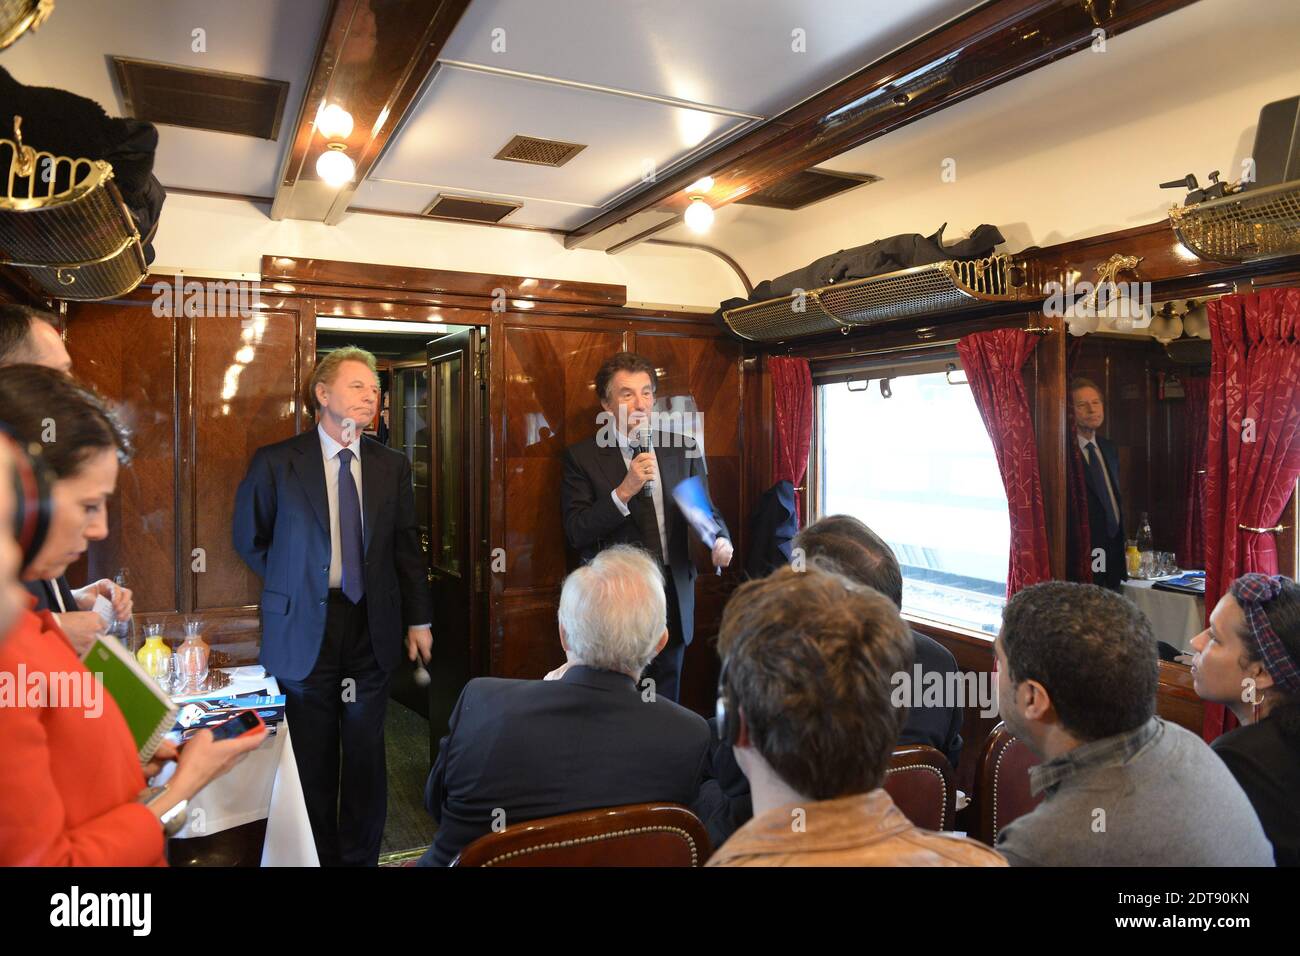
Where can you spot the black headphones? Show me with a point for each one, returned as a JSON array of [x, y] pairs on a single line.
[[32, 482]]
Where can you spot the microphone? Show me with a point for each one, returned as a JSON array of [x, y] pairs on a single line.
[[647, 445]]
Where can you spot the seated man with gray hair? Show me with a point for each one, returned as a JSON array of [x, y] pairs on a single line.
[[518, 750]]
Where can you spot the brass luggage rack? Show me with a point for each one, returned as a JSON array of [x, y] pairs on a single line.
[[78, 242], [19, 16], [930, 289], [1254, 224]]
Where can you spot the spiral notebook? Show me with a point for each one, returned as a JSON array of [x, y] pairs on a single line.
[[149, 712]]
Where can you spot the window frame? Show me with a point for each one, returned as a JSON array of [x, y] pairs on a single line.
[[869, 366]]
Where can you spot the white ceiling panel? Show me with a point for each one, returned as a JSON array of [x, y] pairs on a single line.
[[415, 198], [737, 54], [276, 39], [465, 116]]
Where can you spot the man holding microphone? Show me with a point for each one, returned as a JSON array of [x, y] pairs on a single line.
[[618, 489]]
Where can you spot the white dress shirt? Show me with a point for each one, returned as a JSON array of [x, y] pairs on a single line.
[[1105, 469], [657, 493], [329, 450]]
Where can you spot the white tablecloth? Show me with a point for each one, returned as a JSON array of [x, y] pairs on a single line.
[[264, 785], [1175, 618]]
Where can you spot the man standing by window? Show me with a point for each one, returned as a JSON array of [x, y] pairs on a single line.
[[327, 519], [604, 499], [1101, 471]]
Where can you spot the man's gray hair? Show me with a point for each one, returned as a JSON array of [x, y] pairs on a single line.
[[613, 610]]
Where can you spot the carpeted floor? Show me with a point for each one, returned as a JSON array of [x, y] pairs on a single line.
[[409, 829]]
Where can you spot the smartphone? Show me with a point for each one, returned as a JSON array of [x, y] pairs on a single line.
[[241, 725]]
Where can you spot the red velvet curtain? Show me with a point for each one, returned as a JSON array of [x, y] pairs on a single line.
[[1253, 443], [993, 361], [792, 393], [1192, 552]]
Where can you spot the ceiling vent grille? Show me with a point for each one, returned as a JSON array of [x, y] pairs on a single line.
[[201, 99], [539, 152], [469, 209], [807, 187]]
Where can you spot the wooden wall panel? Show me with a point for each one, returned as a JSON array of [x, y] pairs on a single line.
[[548, 402], [105, 342], [706, 373], [242, 399]]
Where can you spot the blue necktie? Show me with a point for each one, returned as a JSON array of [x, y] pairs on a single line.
[[354, 585]]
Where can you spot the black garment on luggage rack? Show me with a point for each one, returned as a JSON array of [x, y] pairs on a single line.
[[903, 251]]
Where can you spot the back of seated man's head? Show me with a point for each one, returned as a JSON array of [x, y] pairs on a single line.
[[857, 551], [1076, 663], [29, 337], [613, 612], [809, 658]]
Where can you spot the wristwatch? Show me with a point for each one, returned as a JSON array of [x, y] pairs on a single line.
[[172, 820]]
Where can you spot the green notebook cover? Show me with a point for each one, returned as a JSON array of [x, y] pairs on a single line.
[[148, 710]]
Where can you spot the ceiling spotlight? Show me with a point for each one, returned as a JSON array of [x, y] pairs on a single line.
[[699, 215], [700, 185], [335, 166], [334, 122]]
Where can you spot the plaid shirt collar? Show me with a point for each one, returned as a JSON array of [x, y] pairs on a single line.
[[1107, 752]]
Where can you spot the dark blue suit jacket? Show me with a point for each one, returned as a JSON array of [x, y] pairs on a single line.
[[282, 531], [534, 748], [1116, 566]]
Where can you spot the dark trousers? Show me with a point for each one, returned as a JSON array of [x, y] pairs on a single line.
[[666, 669], [340, 706]]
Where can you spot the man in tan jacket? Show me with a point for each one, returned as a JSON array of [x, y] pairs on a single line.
[[804, 699]]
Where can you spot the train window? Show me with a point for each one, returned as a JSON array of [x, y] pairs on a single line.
[[910, 457]]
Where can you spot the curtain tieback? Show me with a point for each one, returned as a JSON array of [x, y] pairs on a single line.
[[1276, 530]]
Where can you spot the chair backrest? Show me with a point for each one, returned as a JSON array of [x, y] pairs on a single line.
[[642, 834], [1002, 783], [920, 782]]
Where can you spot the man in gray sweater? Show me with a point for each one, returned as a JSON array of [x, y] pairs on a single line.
[[1077, 675]]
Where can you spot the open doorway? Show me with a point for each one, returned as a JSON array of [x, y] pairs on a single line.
[[432, 405]]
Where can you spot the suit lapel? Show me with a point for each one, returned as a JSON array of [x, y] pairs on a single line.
[[372, 475], [612, 465], [309, 466]]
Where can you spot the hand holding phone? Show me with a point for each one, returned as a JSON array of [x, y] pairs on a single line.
[[243, 724]]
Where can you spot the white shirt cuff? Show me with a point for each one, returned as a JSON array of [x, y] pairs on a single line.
[[623, 509]]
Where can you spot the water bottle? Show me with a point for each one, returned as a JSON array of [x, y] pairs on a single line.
[[1146, 547], [121, 628]]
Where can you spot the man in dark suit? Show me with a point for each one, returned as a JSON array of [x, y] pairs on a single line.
[[618, 488], [1101, 474], [583, 738], [327, 519]]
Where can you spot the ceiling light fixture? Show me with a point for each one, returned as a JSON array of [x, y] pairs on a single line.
[[335, 166], [334, 122], [699, 215]]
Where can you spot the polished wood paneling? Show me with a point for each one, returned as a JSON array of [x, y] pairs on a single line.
[[546, 401], [367, 275], [373, 59], [550, 404], [242, 399], [1149, 433], [706, 373], [105, 342], [200, 397]]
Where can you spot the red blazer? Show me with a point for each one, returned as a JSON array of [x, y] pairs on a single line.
[[71, 778]]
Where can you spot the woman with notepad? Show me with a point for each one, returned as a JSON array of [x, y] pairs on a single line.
[[76, 763]]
